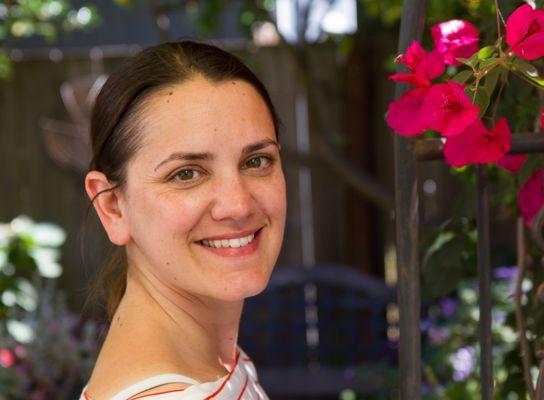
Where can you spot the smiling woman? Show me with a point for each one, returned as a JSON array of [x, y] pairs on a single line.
[[187, 181]]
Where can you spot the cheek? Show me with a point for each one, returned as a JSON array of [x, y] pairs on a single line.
[[172, 214], [272, 198]]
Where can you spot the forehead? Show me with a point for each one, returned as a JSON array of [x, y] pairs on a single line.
[[200, 113]]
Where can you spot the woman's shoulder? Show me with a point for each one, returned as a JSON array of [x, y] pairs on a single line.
[[162, 386], [163, 392]]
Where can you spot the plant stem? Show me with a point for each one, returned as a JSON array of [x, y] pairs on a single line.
[[497, 100], [540, 381], [520, 322], [497, 12]]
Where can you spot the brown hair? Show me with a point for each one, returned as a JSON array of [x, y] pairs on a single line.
[[116, 118]]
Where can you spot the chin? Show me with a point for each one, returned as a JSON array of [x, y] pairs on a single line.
[[238, 291]]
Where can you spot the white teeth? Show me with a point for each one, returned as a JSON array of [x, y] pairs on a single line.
[[239, 242]]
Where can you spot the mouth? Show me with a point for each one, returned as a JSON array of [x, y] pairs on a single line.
[[234, 243], [238, 247]]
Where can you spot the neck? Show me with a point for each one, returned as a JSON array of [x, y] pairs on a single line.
[[189, 326]]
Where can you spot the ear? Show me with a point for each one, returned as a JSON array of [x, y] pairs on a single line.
[[107, 204]]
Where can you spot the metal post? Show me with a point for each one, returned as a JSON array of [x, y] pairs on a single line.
[[484, 283], [407, 226]]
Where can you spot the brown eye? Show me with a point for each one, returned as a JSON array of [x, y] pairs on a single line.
[[185, 175], [257, 162]]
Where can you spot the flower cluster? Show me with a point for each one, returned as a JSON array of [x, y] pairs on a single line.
[[456, 108]]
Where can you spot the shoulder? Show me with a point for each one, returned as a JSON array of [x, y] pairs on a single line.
[[161, 391], [157, 392]]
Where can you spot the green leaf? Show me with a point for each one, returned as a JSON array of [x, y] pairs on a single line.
[[442, 265], [471, 62], [528, 70], [462, 76], [489, 62], [486, 52], [491, 79], [524, 67], [482, 100]]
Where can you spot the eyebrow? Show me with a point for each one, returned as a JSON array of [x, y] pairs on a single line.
[[183, 156]]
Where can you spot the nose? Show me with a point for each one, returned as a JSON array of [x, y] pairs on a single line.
[[233, 199]]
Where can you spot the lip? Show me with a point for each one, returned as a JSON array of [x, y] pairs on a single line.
[[235, 235], [243, 251]]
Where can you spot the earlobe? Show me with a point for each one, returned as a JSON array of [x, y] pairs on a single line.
[[107, 205]]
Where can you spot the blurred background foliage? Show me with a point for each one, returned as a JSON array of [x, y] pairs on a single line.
[[29, 256], [45, 350], [46, 18]]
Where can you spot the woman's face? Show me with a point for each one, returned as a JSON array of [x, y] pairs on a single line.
[[208, 169]]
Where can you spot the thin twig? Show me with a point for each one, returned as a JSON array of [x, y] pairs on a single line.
[[497, 13], [520, 322], [540, 382]]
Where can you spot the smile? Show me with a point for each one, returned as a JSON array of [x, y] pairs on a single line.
[[239, 242], [234, 247]]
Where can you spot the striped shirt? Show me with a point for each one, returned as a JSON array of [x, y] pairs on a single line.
[[240, 383]]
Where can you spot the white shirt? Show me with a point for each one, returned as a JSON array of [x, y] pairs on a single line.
[[241, 383]]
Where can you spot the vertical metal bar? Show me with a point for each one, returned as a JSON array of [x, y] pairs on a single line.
[[407, 227], [484, 284]]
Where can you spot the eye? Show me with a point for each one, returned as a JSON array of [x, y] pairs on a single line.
[[258, 162], [185, 175]]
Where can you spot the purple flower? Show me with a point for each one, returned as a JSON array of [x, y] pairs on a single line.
[[499, 317], [505, 273], [438, 335], [448, 307], [463, 362]]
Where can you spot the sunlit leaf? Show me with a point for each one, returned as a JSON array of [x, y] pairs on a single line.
[[20, 331], [486, 52], [46, 261], [46, 234], [27, 296]]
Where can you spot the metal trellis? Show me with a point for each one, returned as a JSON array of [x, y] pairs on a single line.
[[407, 153]]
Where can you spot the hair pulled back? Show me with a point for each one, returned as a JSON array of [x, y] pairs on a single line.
[[115, 132]]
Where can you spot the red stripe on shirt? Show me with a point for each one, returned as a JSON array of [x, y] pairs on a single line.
[[243, 389], [157, 393], [226, 380]]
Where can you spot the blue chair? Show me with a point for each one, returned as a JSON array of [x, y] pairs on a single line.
[[311, 329]]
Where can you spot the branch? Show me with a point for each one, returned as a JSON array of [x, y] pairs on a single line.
[[497, 13], [540, 382], [354, 177], [520, 322]]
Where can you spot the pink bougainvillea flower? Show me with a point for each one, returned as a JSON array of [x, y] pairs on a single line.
[[525, 32], [405, 115], [531, 197], [455, 38], [423, 67], [7, 359], [478, 145], [448, 110], [542, 120], [512, 163]]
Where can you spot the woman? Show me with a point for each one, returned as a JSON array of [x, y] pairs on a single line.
[[186, 179]]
